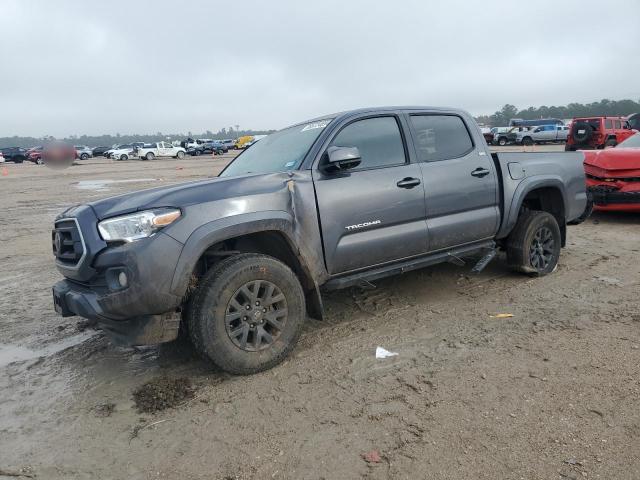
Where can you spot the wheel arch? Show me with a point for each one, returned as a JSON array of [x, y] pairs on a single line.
[[546, 194], [269, 233]]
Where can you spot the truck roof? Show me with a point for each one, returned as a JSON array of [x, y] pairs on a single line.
[[348, 113]]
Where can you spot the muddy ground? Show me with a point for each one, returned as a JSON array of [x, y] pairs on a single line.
[[552, 392]]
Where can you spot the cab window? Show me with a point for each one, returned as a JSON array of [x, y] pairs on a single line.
[[440, 137], [377, 139]]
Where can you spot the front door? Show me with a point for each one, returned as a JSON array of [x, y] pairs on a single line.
[[166, 149], [460, 181], [374, 213]]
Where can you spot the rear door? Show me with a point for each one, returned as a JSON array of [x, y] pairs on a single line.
[[460, 181], [374, 213]]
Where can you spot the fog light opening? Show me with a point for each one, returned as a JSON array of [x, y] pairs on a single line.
[[122, 279]]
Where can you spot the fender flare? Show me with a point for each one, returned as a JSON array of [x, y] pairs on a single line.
[[522, 190], [234, 226]]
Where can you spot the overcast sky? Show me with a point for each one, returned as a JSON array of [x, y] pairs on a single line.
[[79, 67]]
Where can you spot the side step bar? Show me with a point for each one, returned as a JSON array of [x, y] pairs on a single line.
[[357, 278]]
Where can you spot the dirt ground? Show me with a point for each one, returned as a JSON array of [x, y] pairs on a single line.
[[550, 393]]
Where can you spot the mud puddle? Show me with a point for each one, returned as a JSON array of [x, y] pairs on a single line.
[[16, 353]]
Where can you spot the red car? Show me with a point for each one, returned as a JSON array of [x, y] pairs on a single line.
[[613, 176], [35, 154], [597, 133]]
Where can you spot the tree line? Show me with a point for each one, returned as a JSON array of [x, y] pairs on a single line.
[[499, 118], [603, 107], [109, 140]]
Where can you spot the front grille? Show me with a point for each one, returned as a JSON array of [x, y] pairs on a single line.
[[67, 242]]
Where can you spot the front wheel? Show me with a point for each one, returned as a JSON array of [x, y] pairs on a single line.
[[180, 155], [247, 313], [149, 156], [527, 141], [84, 156], [533, 246], [502, 142]]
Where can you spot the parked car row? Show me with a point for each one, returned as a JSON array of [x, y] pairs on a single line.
[[579, 134]]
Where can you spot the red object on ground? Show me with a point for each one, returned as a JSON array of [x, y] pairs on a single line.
[[613, 178], [372, 457]]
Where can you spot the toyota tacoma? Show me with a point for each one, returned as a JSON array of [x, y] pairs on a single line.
[[238, 262]]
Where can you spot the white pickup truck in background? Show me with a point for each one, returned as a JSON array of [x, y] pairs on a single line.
[[542, 134], [161, 149]]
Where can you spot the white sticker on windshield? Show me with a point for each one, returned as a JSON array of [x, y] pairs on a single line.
[[289, 164], [314, 125]]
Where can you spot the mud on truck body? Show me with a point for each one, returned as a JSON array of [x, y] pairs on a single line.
[[238, 262]]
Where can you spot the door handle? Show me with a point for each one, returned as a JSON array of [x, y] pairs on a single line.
[[480, 172], [408, 182]]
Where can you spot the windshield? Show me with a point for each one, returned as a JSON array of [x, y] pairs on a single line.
[[631, 142], [278, 152]]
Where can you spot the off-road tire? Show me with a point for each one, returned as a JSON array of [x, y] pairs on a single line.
[[149, 156], [582, 138], [520, 242], [209, 305]]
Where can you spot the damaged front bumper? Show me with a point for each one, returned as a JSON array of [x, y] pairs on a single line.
[[70, 299], [606, 197], [125, 289]]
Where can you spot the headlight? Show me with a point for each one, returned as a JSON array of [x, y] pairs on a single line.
[[135, 226]]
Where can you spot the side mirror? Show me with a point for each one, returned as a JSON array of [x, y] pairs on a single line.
[[342, 158]]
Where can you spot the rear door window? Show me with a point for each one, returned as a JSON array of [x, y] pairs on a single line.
[[608, 124], [616, 124], [440, 137]]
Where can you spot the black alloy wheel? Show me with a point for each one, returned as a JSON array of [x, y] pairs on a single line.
[[542, 248], [256, 315]]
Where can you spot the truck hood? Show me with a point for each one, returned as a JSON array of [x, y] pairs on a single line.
[[613, 159], [185, 194]]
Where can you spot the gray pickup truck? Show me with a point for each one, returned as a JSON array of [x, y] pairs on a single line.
[[238, 262]]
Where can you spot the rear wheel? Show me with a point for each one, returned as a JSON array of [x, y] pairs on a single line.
[[247, 313], [533, 246], [124, 157], [84, 156], [502, 141], [180, 155]]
